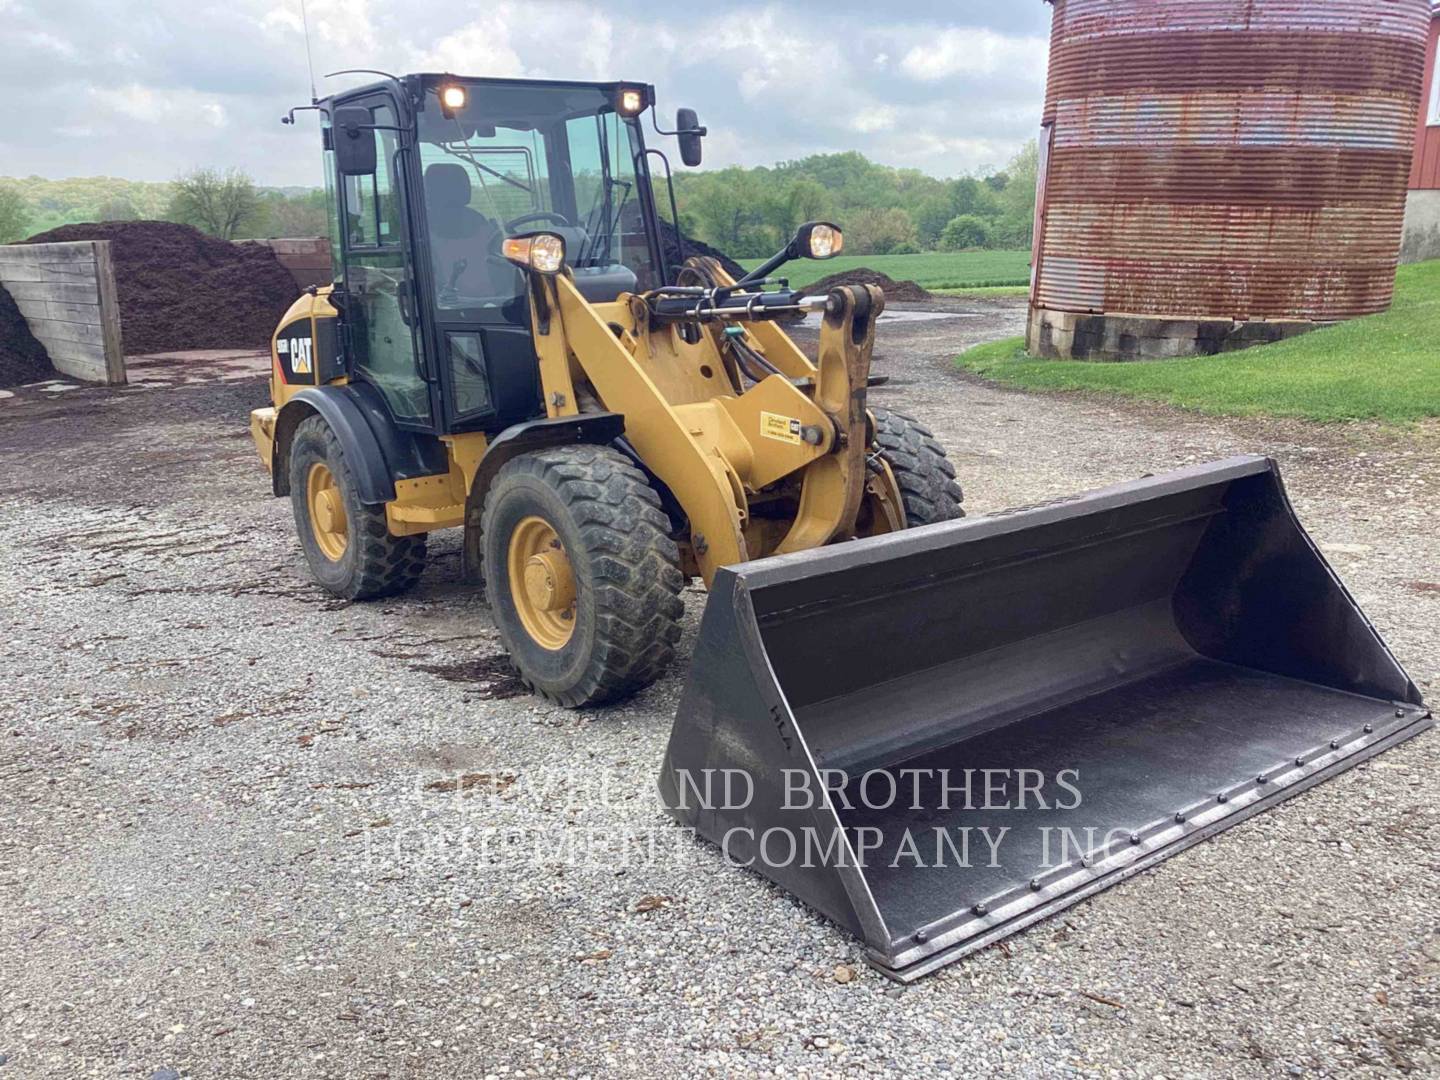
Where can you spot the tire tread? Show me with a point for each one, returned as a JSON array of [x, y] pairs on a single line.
[[927, 479], [635, 563]]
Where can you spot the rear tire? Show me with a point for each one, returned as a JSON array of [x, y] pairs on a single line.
[[926, 477], [347, 544], [581, 573]]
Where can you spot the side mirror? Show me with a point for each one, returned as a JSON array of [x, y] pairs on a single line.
[[689, 133], [353, 135]]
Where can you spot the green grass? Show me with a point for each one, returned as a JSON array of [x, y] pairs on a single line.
[[934, 270], [983, 291], [1384, 367]]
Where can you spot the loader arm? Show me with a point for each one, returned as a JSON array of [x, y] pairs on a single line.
[[712, 448]]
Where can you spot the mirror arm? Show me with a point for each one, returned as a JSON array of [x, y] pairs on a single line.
[[769, 266], [655, 123], [289, 118]]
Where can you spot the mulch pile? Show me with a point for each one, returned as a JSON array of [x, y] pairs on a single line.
[[697, 247], [22, 358], [906, 291], [181, 289]]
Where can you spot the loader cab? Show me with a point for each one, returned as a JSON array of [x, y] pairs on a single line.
[[436, 319]]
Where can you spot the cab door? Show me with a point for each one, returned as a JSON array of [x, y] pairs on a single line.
[[384, 341]]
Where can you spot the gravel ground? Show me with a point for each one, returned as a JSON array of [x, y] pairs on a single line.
[[247, 830]]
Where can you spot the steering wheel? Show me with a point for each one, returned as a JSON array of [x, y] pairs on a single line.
[[540, 215]]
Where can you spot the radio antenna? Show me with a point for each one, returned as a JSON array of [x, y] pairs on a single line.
[[309, 60]]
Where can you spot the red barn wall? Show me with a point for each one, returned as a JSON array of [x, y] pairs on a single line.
[[1426, 172]]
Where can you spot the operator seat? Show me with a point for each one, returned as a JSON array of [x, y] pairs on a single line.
[[460, 238]]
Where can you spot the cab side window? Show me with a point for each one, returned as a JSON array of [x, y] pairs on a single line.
[[372, 203], [383, 349]]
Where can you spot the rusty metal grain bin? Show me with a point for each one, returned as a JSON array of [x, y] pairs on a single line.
[[1241, 160]]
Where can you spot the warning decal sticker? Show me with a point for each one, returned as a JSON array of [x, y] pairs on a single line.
[[783, 428]]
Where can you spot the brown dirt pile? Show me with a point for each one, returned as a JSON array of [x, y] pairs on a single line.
[[180, 289], [22, 358], [906, 291], [697, 247]]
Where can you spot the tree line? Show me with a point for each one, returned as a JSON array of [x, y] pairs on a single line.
[[747, 213], [750, 213], [227, 204]]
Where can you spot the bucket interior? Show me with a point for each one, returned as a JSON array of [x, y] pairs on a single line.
[[1161, 653]]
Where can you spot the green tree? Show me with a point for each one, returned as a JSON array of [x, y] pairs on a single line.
[[971, 196], [879, 232], [14, 215], [790, 207], [964, 231], [221, 204], [117, 208], [728, 207], [1015, 224], [293, 215], [931, 217]]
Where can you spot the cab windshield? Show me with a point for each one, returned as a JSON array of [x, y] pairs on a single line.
[[518, 159]]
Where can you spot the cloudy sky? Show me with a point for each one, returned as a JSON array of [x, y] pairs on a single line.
[[148, 88]]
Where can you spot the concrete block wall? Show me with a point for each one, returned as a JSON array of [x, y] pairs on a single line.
[[1069, 335], [1422, 227], [67, 294]]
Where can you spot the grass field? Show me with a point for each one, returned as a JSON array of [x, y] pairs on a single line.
[[937, 270], [1384, 367]]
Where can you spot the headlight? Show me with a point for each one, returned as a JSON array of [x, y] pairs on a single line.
[[826, 241], [631, 100], [452, 100], [542, 252]]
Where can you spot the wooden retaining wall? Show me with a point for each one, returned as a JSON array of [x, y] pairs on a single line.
[[67, 294]]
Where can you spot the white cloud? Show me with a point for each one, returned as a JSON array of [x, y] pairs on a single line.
[[874, 118], [534, 39], [166, 85], [148, 105], [776, 57], [480, 46], [137, 102], [42, 41], [347, 27], [972, 51]]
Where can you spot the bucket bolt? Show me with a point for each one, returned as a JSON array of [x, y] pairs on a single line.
[[1399, 714], [1222, 798], [1180, 818], [1035, 884], [981, 909], [1134, 838], [1369, 729], [1334, 744], [921, 936], [1300, 762], [1262, 779]]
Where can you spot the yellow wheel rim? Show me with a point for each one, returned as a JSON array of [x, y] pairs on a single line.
[[327, 512], [542, 583]]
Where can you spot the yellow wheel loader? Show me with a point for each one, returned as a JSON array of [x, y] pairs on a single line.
[[935, 736], [513, 348]]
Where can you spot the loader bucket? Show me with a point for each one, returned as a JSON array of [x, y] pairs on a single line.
[[1099, 683]]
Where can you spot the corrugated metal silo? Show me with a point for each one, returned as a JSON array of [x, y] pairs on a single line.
[[1209, 163]]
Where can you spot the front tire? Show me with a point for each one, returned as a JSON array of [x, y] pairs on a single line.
[[582, 575], [927, 479], [347, 544]]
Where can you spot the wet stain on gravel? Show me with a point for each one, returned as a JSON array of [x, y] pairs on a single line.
[[491, 678], [489, 783]]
